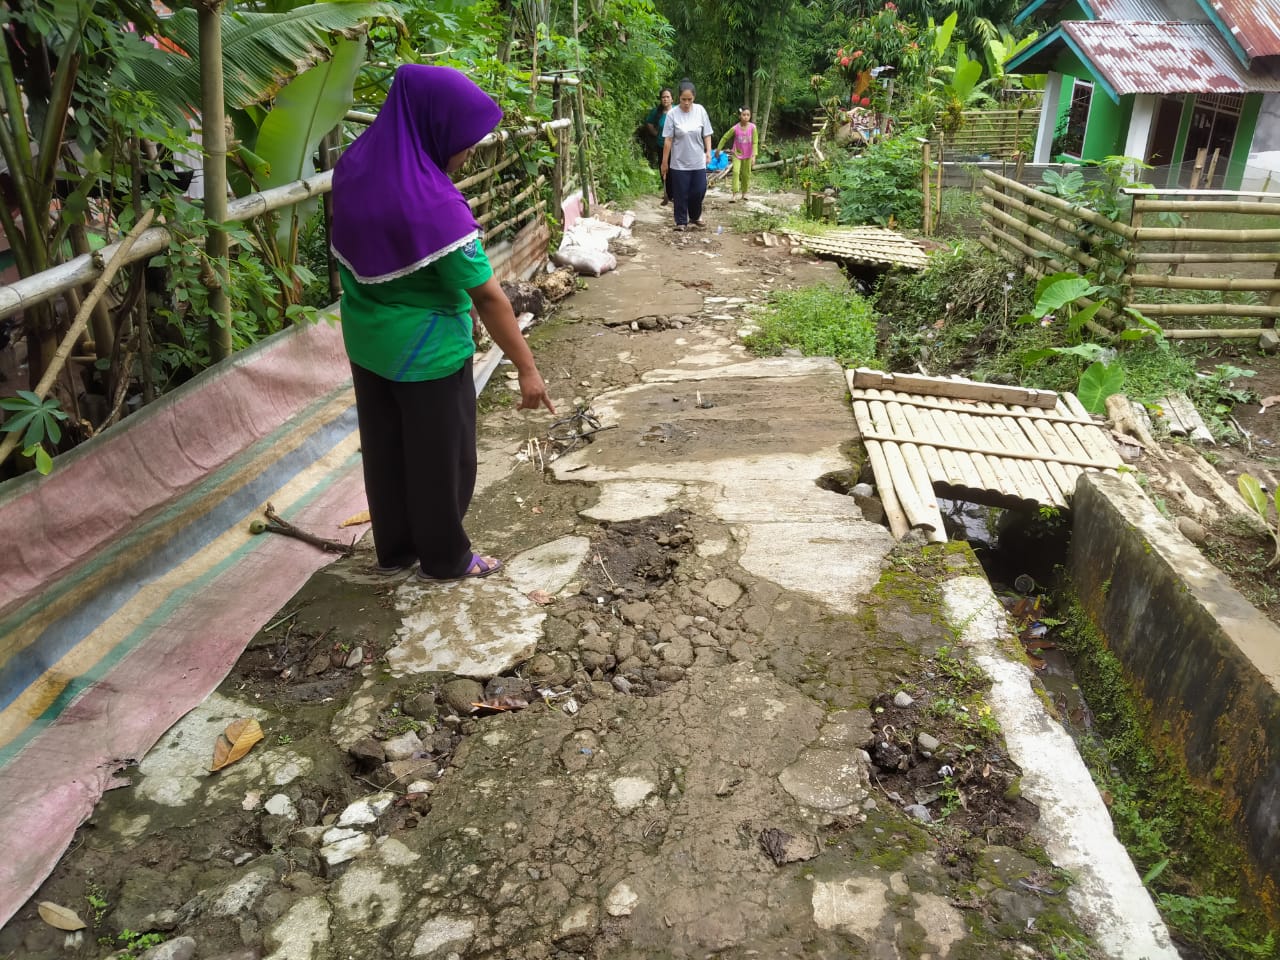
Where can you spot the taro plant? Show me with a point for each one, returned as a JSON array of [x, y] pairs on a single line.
[[1061, 294]]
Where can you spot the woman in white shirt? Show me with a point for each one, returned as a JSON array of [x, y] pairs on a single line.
[[686, 151]]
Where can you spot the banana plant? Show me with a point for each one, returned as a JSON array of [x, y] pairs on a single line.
[[303, 113], [262, 52]]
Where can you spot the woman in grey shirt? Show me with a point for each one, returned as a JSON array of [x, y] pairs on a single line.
[[686, 151]]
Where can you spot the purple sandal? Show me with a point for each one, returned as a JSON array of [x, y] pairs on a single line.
[[479, 567]]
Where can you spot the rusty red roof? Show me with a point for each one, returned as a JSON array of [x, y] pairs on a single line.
[[1139, 56], [1128, 10], [1255, 24]]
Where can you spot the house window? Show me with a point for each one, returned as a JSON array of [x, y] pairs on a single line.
[[1069, 136]]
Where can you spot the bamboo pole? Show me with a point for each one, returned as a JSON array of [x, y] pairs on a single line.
[[104, 331], [1035, 213], [81, 320], [909, 495], [1213, 166], [1224, 284], [1084, 213], [520, 217], [1206, 235], [213, 135], [1090, 437], [1063, 478], [962, 440], [1198, 168], [899, 525], [1254, 256], [1206, 309], [927, 210], [1079, 256], [1226, 333], [971, 410], [475, 178], [1012, 435], [1016, 475], [937, 194], [1259, 208], [966, 472], [1106, 313]]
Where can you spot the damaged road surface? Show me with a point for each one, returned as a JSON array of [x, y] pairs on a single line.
[[707, 710]]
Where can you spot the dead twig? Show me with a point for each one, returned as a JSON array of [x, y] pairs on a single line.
[[598, 560], [276, 524]]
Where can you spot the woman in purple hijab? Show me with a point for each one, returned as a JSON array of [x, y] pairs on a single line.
[[413, 269]]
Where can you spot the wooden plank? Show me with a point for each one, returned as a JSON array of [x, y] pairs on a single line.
[[957, 389], [910, 478]]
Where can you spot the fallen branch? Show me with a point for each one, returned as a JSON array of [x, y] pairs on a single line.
[[276, 524]]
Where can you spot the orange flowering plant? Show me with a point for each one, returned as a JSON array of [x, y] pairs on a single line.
[[879, 41]]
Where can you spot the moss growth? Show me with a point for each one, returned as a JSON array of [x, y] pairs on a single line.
[[1177, 832]]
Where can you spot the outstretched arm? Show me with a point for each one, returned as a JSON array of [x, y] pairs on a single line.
[[500, 320]]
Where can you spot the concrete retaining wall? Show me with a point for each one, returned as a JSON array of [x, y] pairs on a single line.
[[1205, 660]]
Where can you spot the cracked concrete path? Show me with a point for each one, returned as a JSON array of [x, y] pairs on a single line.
[[688, 663]]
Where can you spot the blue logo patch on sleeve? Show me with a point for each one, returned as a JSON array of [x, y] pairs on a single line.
[[472, 250]]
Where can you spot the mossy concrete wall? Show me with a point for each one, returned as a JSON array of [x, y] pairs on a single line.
[[1205, 661]]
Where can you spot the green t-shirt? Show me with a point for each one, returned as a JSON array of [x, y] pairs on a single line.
[[416, 327]]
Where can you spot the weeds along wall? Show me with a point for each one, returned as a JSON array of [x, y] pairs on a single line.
[[1201, 661]]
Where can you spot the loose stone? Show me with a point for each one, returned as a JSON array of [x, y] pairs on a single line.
[[903, 699], [402, 747]]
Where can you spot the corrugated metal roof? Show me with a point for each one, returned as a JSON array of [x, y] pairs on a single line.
[[1128, 10], [1254, 23], [1134, 56]]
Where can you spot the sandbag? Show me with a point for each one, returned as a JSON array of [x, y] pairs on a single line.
[[584, 260]]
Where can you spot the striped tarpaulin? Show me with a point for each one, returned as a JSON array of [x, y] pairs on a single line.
[[129, 583]]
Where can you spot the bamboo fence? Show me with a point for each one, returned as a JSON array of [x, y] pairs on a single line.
[[992, 134], [497, 187], [1043, 233]]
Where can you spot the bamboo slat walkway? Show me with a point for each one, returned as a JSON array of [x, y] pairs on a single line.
[[1000, 446], [864, 244]]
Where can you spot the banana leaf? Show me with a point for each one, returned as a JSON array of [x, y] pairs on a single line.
[[261, 52], [304, 111]]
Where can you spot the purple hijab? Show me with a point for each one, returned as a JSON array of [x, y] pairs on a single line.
[[394, 207]]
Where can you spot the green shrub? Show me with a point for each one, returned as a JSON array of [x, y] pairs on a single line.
[[881, 183], [819, 321]]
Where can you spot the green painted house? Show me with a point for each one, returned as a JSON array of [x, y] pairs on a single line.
[[1159, 80]]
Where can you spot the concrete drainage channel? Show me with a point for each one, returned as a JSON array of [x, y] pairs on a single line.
[[1148, 615]]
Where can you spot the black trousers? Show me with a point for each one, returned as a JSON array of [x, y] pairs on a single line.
[[688, 188], [418, 441]]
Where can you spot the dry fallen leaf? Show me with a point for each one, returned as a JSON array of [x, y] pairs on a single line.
[[501, 704], [359, 518], [536, 510], [540, 597], [58, 917], [234, 742], [1269, 402]]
